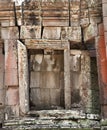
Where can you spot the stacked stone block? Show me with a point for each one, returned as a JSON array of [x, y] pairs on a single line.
[[49, 25]]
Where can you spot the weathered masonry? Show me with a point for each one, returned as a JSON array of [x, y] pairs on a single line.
[[53, 64]]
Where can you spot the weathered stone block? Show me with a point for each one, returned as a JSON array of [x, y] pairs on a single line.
[[105, 34], [67, 85], [104, 111], [47, 62], [2, 97], [40, 98], [7, 23], [71, 33], [55, 97], [11, 112], [35, 98], [11, 77], [10, 33], [36, 62], [1, 115], [30, 32], [101, 29], [44, 80], [105, 24], [104, 9], [101, 42], [47, 44], [80, 80], [104, 1], [53, 64], [53, 1], [1, 70], [10, 54], [75, 62], [11, 69], [23, 77], [90, 32], [51, 33], [12, 95], [51, 80], [35, 79], [55, 22]]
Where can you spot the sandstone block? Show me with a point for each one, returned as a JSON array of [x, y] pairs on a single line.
[[55, 22], [1, 71], [104, 9], [10, 33], [104, 1], [23, 77], [12, 96], [105, 23], [30, 32], [71, 33], [90, 32], [2, 97], [101, 29], [104, 111], [75, 62], [11, 77], [51, 33], [10, 54], [11, 70]]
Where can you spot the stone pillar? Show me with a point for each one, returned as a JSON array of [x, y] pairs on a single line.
[[10, 36], [67, 86], [23, 78], [2, 90], [102, 68], [104, 8]]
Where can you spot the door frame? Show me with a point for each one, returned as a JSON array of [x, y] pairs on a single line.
[[24, 70]]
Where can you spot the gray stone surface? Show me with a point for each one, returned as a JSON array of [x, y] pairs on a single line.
[[54, 119]]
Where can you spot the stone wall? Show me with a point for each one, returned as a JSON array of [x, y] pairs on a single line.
[[73, 27]]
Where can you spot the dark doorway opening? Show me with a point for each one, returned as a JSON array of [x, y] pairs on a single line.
[[46, 79]]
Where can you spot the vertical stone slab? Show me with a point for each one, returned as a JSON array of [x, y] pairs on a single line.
[[1, 68], [2, 94], [81, 80], [102, 69], [23, 78], [11, 74], [85, 82], [67, 86]]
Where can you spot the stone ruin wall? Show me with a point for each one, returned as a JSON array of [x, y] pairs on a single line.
[[76, 27]]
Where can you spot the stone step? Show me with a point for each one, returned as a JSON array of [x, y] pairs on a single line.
[[63, 114], [33, 123], [68, 119]]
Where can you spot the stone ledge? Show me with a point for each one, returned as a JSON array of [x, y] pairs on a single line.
[[54, 119], [63, 114], [30, 124]]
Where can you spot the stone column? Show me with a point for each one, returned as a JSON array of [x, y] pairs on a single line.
[[104, 8], [67, 86], [23, 78], [102, 69], [2, 90], [10, 35]]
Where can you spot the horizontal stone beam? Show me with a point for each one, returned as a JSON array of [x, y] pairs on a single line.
[[46, 44]]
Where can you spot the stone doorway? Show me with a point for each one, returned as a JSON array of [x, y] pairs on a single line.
[[59, 50], [46, 79]]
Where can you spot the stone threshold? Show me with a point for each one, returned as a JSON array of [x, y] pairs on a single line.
[[63, 114]]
